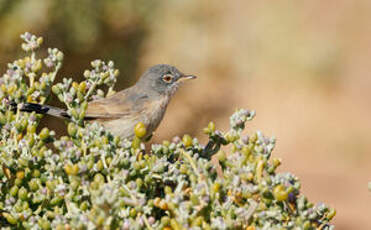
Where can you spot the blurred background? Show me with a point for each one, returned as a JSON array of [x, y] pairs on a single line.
[[304, 66]]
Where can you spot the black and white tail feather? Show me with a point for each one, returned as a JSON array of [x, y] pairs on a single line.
[[42, 109]]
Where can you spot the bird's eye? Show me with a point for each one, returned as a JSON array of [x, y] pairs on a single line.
[[168, 78]]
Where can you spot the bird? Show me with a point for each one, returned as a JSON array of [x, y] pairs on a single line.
[[146, 102]]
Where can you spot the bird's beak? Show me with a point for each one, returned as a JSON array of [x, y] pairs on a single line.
[[186, 77]]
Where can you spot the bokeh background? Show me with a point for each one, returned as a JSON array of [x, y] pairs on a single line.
[[304, 66]]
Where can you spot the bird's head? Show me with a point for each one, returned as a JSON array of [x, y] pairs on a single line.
[[163, 79]]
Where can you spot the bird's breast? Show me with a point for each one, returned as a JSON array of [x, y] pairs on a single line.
[[150, 113], [154, 113]]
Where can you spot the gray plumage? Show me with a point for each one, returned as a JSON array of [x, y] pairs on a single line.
[[146, 102]]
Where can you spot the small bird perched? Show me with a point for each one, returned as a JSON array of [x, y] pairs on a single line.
[[144, 102]]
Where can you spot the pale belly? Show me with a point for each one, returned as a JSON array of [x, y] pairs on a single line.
[[151, 118]]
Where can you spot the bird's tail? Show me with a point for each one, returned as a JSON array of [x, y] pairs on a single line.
[[42, 109]]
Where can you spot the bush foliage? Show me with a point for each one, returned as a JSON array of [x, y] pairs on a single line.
[[91, 179]]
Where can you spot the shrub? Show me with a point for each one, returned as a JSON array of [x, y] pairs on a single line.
[[91, 179]]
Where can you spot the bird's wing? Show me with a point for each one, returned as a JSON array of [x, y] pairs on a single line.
[[119, 105]]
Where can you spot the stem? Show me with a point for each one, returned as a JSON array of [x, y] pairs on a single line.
[[92, 88], [201, 178], [33, 56], [131, 195], [189, 158], [57, 68], [16, 119], [146, 222], [32, 80]]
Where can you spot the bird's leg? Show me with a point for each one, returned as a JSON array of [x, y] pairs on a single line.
[[148, 138]]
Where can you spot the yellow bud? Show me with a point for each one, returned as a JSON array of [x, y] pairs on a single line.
[[221, 156], [245, 150], [40, 41], [331, 214], [175, 225], [133, 212], [37, 85], [259, 169], [9, 218], [280, 193], [7, 172], [74, 113], [56, 89], [43, 85], [84, 105], [105, 140], [36, 67], [21, 63], [20, 175], [12, 89], [31, 90], [29, 99], [276, 162], [206, 130], [71, 169], [19, 137], [135, 143], [216, 187], [31, 128], [75, 85], [82, 86], [44, 134], [31, 140], [116, 72], [187, 140], [71, 129], [3, 88], [104, 75], [254, 138], [163, 205], [211, 126], [140, 130]]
